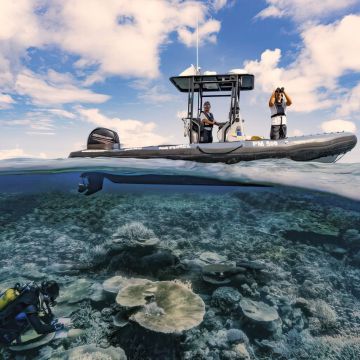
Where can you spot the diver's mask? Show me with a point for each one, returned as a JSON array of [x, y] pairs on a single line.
[[49, 300]]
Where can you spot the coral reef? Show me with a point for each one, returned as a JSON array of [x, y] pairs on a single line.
[[277, 271]]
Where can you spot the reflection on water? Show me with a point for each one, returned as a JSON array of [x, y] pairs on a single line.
[[277, 269]]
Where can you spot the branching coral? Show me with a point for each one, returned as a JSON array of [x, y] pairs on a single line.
[[96, 330]]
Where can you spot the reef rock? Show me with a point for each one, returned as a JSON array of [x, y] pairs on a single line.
[[236, 336], [219, 274], [258, 311], [260, 318], [225, 298], [212, 258], [251, 265], [351, 238], [241, 352]]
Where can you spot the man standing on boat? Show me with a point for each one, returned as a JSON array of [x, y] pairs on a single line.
[[207, 120], [278, 102]]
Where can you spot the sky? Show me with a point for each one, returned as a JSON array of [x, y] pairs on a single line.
[[68, 66]]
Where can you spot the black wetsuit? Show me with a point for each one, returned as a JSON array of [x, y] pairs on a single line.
[[22, 313]]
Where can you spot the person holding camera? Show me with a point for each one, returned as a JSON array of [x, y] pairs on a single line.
[[278, 102]]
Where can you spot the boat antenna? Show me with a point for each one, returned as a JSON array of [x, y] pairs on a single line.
[[197, 43]]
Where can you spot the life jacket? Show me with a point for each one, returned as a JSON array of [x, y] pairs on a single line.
[[278, 109], [210, 117], [278, 113]]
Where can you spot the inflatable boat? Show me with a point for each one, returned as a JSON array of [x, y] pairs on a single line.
[[323, 148], [233, 145]]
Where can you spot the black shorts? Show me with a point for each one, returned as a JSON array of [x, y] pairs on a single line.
[[206, 136], [278, 132]]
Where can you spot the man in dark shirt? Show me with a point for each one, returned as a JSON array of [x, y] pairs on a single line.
[[208, 122]]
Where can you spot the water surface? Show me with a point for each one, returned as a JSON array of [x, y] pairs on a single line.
[[293, 229]]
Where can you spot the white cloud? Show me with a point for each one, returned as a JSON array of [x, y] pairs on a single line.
[[19, 30], [150, 92], [11, 153], [301, 10], [35, 121], [124, 37], [181, 114], [266, 70], [328, 52], [40, 133], [156, 94], [351, 102], [17, 152], [115, 37], [131, 132], [62, 113], [16, 122], [18, 20], [296, 132], [41, 121], [219, 4], [271, 11], [338, 125], [207, 32], [6, 101], [48, 90]]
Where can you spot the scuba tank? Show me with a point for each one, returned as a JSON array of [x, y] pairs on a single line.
[[7, 297]]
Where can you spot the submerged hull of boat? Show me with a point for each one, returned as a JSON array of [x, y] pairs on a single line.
[[322, 147]]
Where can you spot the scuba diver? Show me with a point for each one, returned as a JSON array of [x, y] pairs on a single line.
[[27, 306]]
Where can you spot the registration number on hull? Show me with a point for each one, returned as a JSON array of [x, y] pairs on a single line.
[[265, 143], [174, 147]]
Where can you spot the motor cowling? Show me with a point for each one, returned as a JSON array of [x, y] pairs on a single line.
[[104, 139]]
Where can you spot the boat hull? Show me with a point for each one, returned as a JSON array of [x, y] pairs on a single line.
[[322, 147]]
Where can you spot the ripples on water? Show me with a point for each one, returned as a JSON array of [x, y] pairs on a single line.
[[296, 250]]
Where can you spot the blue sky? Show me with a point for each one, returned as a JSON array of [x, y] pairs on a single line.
[[69, 66]]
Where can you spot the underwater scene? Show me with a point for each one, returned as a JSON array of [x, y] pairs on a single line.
[[162, 259]]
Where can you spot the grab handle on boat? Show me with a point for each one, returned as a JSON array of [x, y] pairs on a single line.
[[218, 153]]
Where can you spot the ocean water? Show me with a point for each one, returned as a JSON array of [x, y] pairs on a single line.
[[271, 249]]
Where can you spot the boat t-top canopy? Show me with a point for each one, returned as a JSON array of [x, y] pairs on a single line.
[[203, 83], [198, 87]]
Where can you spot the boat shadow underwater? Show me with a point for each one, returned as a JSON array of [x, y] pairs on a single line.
[[92, 182]]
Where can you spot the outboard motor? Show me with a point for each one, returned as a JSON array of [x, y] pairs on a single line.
[[103, 139], [91, 183]]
